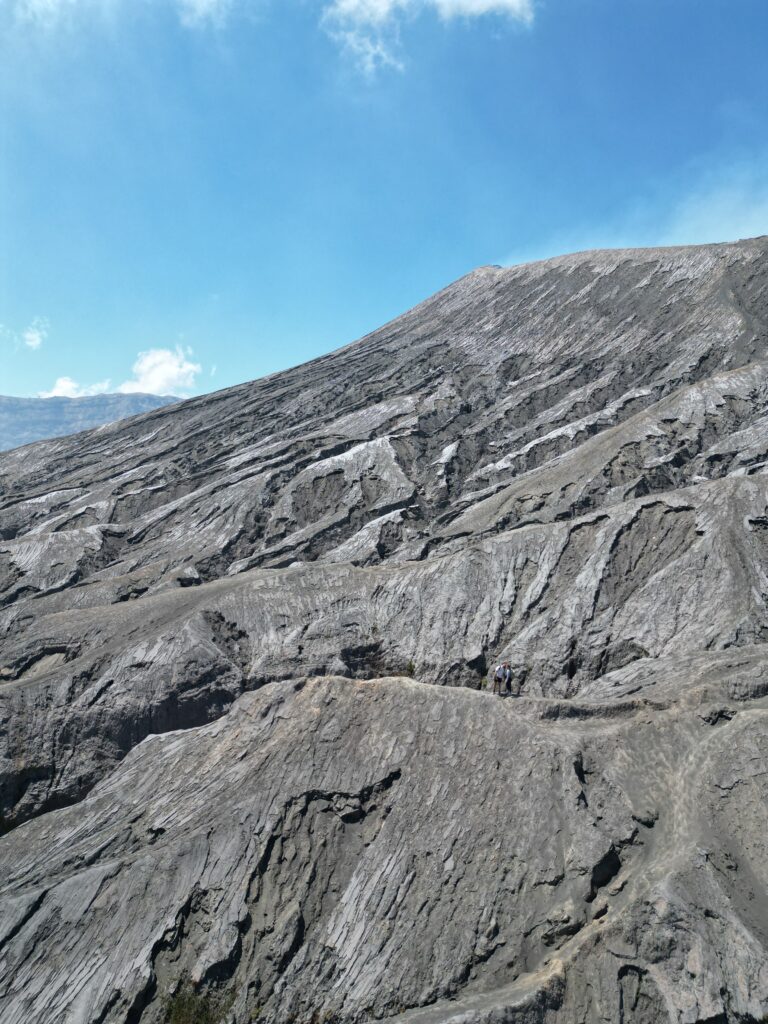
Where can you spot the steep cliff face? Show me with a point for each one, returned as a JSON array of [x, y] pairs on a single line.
[[24, 420], [563, 464]]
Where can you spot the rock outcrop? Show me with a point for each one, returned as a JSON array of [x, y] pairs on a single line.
[[222, 772]]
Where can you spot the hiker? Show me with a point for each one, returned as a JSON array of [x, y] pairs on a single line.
[[507, 679], [498, 678]]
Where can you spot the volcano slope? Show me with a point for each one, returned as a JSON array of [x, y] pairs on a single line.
[[224, 779]]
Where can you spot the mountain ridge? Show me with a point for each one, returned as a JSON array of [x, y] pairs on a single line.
[[219, 625], [26, 420]]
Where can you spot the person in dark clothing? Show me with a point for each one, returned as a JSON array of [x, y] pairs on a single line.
[[507, 679]]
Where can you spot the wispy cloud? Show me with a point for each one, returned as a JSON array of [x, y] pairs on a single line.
[[724, 207], [367, 30], [41, 10], [49, 13], [723, 204], [31, 337], [369, 49], [378, 11], [37, 332], [201, 12]]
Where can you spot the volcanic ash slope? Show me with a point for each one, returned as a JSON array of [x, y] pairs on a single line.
[[222, 768]]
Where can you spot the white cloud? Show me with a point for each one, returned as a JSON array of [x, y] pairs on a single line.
[[158, 371], [36, 333], [377, 12], [162, 371], [65, 387], [369, 29]]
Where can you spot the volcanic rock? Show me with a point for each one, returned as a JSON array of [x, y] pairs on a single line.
[[223, 770]]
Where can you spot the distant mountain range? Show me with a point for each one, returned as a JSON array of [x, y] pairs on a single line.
[[23, 420]]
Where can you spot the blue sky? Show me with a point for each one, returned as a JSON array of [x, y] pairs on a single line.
[[194, 193]]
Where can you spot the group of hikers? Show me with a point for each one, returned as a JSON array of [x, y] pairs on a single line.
[[502, 677]]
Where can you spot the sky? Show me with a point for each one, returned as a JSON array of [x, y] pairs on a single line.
[[195, 193]]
